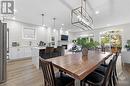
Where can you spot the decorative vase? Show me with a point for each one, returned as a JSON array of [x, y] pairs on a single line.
[[84, 53]]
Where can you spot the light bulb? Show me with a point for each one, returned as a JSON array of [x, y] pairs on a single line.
[[54, 30]]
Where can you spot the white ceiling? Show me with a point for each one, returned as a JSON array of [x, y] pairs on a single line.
[[112, 12]]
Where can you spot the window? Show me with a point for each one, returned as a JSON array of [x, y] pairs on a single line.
[[29, 33], [111, 38]]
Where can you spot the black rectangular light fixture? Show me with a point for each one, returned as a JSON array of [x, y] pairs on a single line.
[[80, 18]]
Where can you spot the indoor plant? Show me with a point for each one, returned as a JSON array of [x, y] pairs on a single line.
[[86, 44]]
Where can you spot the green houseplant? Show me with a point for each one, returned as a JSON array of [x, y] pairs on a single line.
[[86, 44]]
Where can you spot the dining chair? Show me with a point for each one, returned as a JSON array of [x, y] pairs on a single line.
[[42, 54], [103, 67], [49, 51], [115, 77], [97, 79], [61, 50], [52, 79], [58, 51], [55, 53]]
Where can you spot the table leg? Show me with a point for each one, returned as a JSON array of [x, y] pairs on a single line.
[[77, 82]]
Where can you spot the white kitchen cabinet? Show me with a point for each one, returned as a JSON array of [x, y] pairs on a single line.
[[13, 53], [19, 52], [27, 52]]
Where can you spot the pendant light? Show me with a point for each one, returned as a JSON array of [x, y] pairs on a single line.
[[54, 29], [43, 23], [80, 17]]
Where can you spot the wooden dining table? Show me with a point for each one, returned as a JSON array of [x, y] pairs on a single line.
[[78, 67]]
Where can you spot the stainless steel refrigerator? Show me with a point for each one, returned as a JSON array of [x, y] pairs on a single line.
[[3, 51]]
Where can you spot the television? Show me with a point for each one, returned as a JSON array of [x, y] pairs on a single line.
[[64, 37]]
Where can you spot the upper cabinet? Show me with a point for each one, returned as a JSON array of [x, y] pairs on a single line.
[[29, 33]]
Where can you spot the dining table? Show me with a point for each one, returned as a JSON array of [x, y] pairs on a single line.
[[78, 66]]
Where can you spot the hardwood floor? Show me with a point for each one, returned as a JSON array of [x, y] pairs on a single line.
[[124, 77], [23, 73]]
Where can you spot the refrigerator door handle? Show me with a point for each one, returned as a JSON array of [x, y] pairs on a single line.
[[8, 40]]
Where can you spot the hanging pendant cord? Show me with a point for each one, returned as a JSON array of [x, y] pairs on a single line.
[[42, 19], [85, 4], [54, 21]]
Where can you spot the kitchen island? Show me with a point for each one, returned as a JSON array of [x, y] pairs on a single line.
[[36, 54]]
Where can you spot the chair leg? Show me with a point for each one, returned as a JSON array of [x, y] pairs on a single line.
[[71, 84], [61, 73], [114, 79], [82, 83], [111, 82], [89, 85], [116, 74]]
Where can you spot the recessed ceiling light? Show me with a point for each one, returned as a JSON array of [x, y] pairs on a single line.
[[62, 24], [15, 11], [97, 12], [108, 24], [54, 30], [43, 25], [13, 18]]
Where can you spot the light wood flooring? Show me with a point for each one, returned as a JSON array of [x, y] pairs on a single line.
[[23, 73]]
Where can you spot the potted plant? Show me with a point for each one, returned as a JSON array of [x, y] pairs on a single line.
[[86, 45]]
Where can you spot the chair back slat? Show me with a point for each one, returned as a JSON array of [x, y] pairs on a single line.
[[48, 72], [110, 70], [107, 75]]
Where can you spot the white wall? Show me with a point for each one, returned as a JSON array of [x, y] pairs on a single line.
[[16, 33], [124, 28]]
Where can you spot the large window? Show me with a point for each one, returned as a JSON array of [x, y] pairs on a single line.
[[111, 38], [29, 33], [89, 36]]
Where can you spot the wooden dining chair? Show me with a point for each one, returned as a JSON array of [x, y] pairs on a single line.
[[42, 54], [52, 79], [49, 51], [97, 79], [102, 69], [59, 50], [115, 77]]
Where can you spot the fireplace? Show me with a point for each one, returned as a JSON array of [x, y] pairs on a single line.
[[65, 46]]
